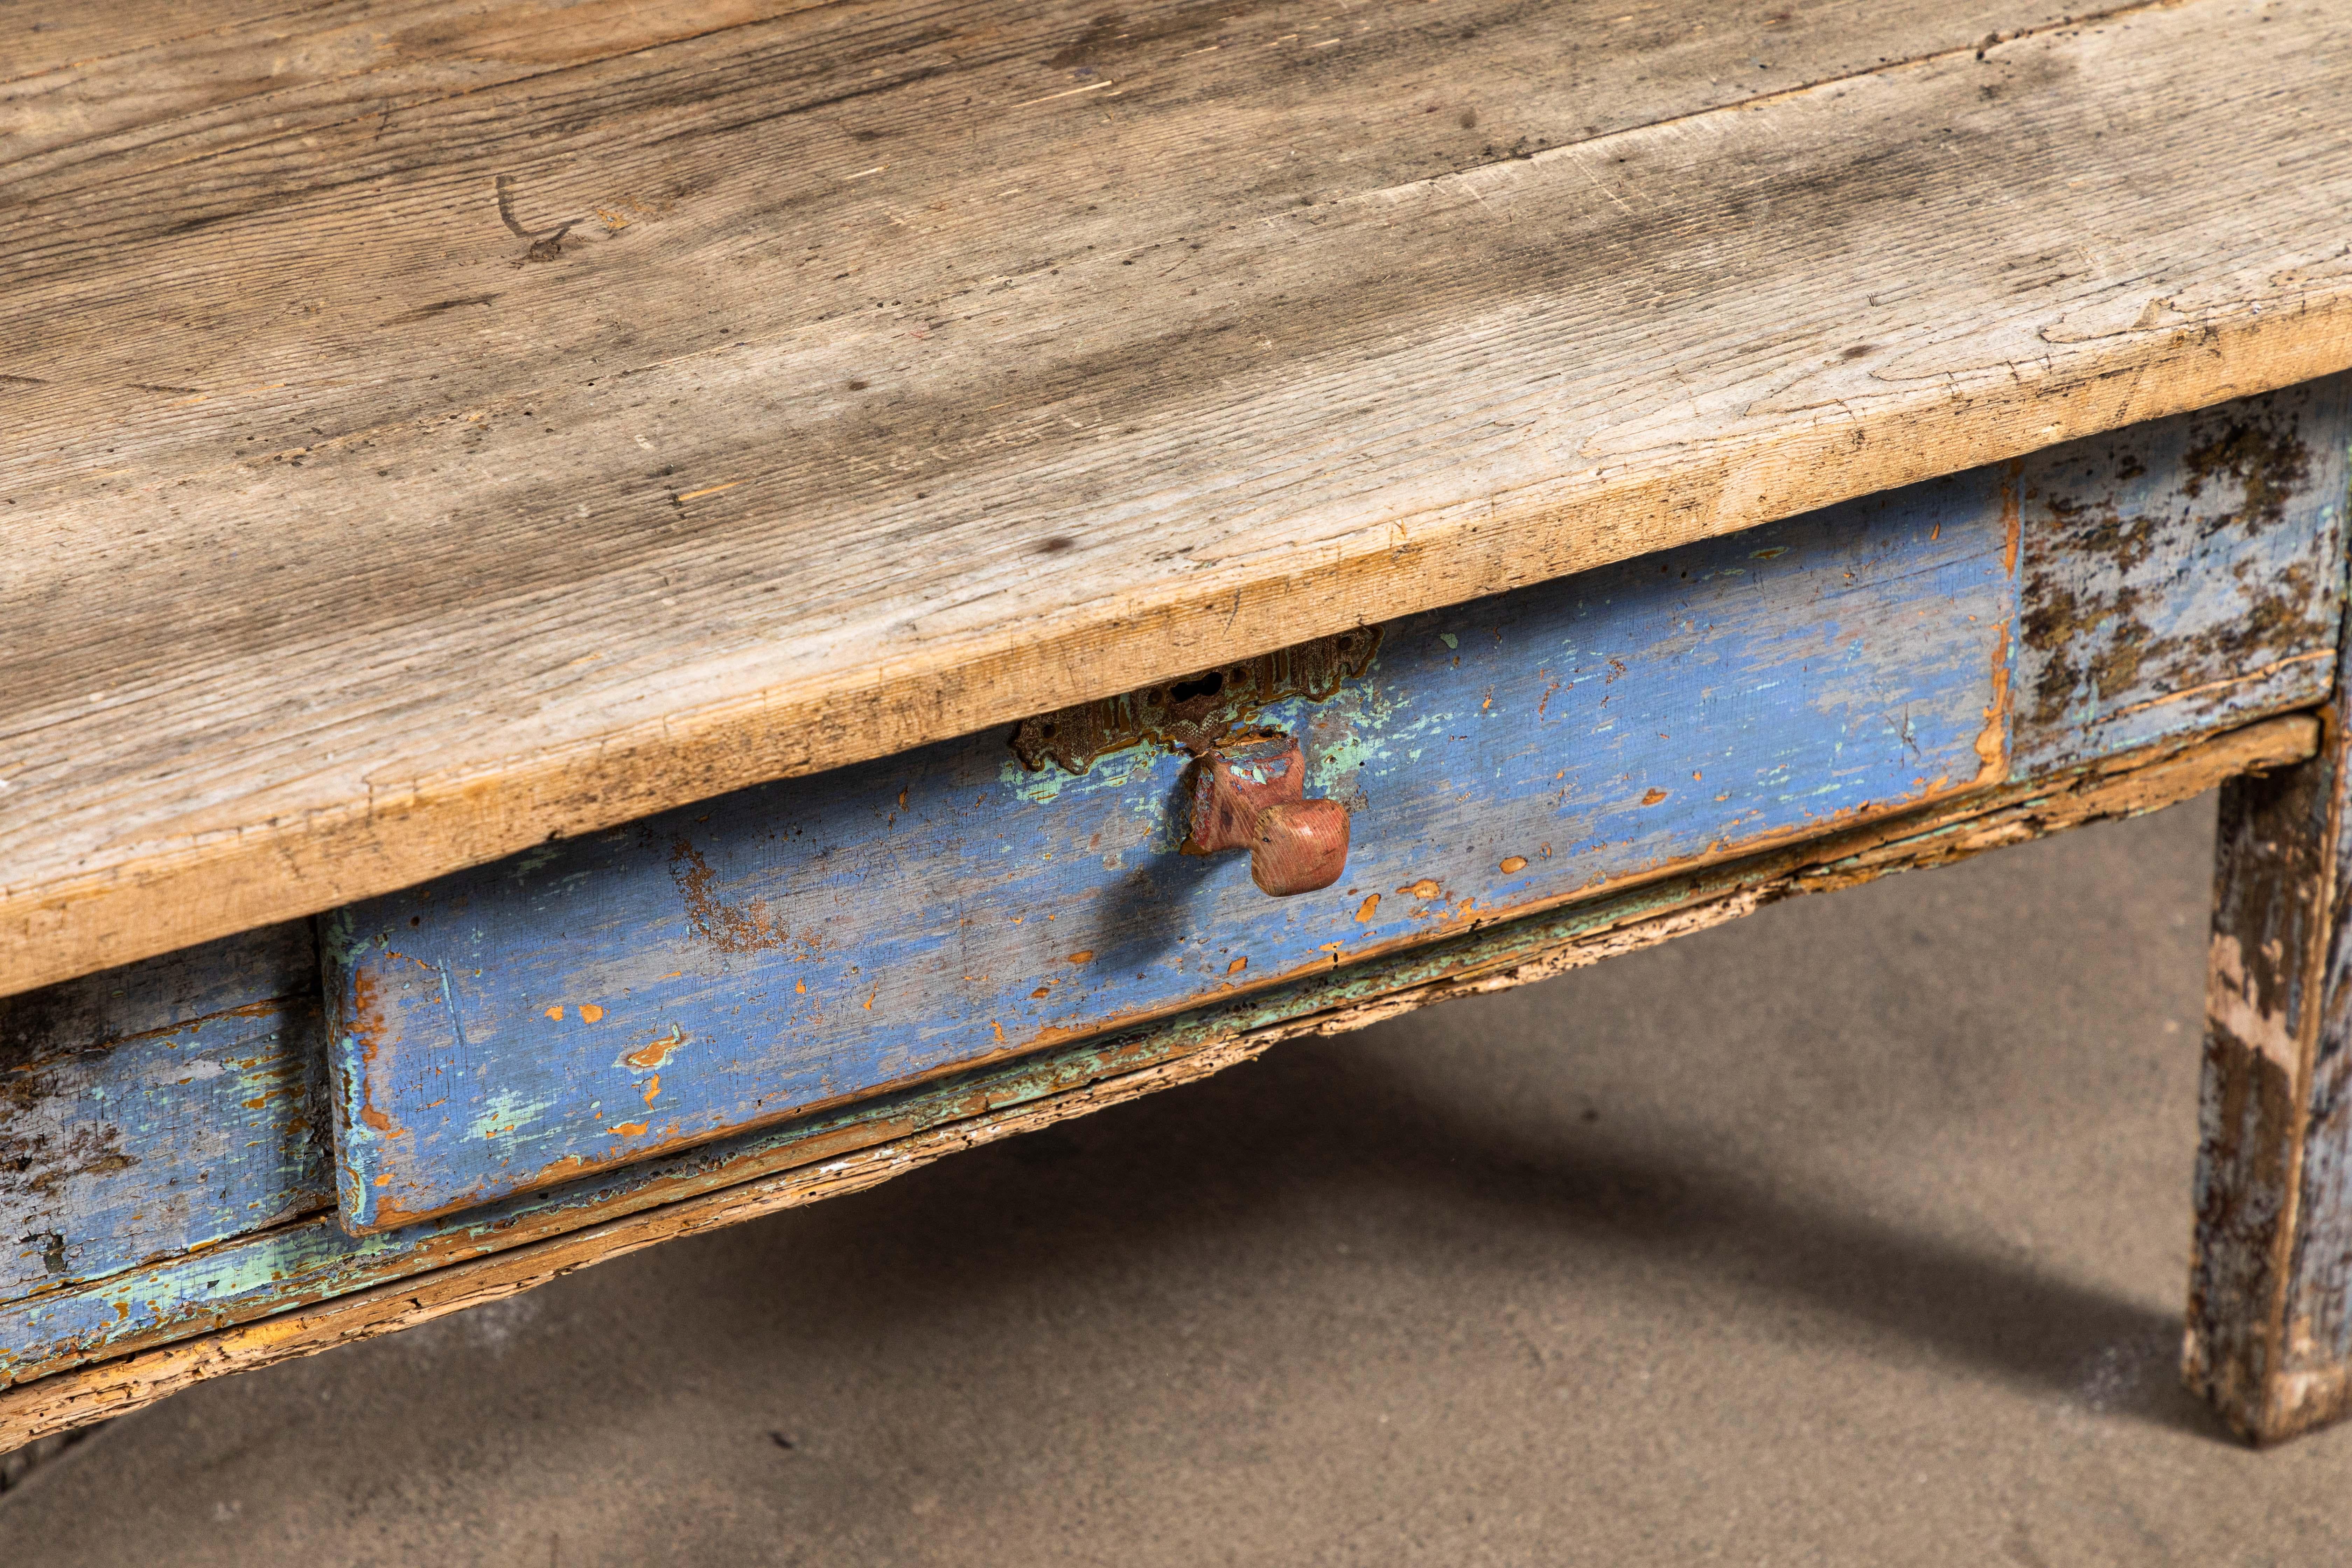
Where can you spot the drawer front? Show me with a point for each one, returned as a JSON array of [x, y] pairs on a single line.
[[793, 946], [784, 947]]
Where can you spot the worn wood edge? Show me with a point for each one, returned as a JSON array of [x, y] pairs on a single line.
[[2131, 786], [234, 879]]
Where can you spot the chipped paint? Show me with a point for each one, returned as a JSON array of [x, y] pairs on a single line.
[[655, 1053], [2234, 1006], [2193, 563], [724, 928]]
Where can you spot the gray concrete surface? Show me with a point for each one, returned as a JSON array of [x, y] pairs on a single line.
[[1854, 1234]]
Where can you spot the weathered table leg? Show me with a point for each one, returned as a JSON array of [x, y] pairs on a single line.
[[2270, 1300]]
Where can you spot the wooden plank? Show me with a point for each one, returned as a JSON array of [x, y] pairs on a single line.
[[866, 289], [160, 1108], [803, 943], [406, 1280]]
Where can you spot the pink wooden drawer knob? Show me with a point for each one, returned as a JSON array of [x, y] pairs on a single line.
[[1249, 793]]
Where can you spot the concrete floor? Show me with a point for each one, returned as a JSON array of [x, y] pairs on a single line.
[[1854, 1234]]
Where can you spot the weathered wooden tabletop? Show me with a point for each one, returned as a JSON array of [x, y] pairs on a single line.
[[431, 428]]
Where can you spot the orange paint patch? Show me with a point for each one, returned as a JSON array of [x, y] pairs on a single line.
[[591, 1012], [1992, 741], [1513, 863], [1654, 796], [556, 1012], [1082, 955], [653, 1088], [384, 1180], [1237, 965], [1000, 1031], [801, 986], [1366, 909], [656, 1053], [1424, 888], [869, 1002], [628, 1128], [1041, 991]]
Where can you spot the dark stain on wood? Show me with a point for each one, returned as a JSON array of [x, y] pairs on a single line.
[[2234, 496], [2271, 465], [1198, 710], [723, 926]]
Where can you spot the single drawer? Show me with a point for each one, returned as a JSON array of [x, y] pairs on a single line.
[[793, 946]]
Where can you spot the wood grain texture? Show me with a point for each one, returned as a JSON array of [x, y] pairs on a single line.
[[108, 1372], [508, 433], [2269, 1302]]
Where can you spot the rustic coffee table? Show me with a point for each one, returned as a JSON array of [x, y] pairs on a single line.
[[619, 617]]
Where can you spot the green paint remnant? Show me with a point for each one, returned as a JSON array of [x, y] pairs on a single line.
[[532, 859], [501, 1112], [340, 935], [1449, 639], [1036, 788]]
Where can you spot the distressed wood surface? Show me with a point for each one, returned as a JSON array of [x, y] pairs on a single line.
[[2181, 572], [2270, 1304], [168, 1105], [309, 1288], [804, 942], [515, 421]]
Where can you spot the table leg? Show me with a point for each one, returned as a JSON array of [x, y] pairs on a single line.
[[2270, 1299]]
